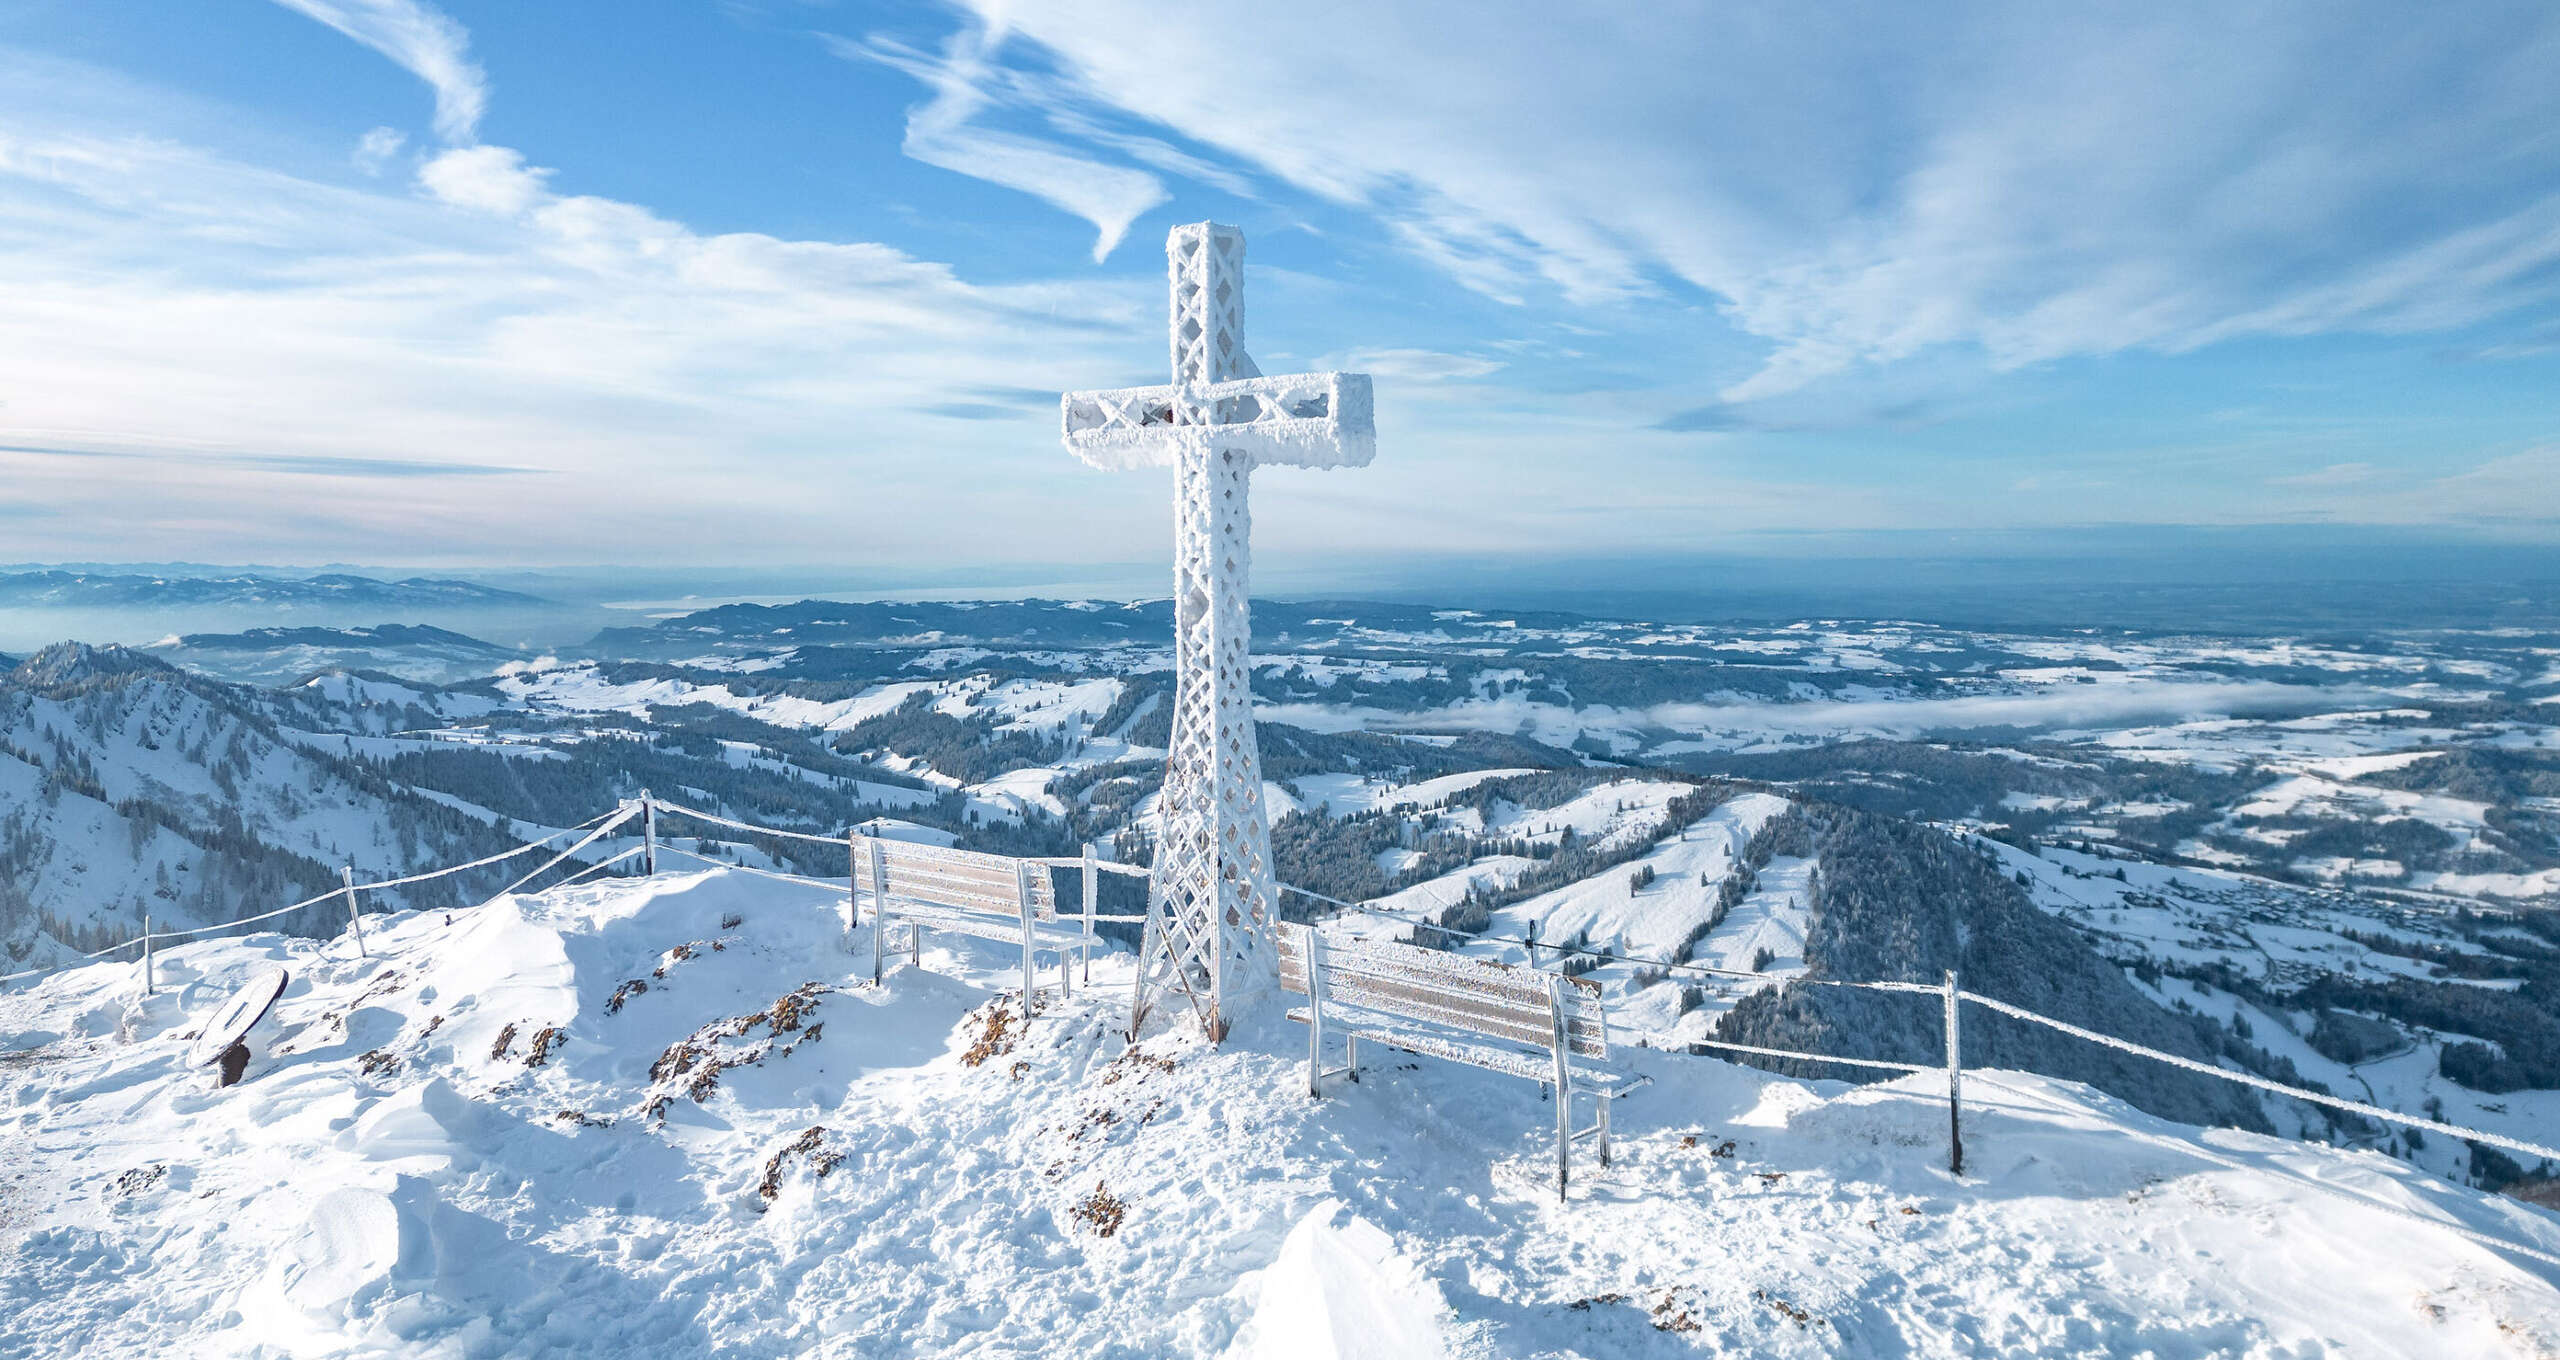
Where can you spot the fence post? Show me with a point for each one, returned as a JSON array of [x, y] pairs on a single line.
[[147, 979], [1092, 890], [852, 886], [649, 834], [1955, 1082], [355, 918]]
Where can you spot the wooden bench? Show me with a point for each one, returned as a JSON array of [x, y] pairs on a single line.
[[1543, 1027], [991, 897]]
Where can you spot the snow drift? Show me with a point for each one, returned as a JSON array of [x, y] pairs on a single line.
[[662, 1117]]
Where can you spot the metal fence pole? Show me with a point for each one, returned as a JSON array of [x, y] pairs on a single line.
[[1092, 890], [852, 886], [355, 918], [1955, 1082], [147, 978]]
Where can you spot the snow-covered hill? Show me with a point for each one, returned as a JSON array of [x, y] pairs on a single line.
[[129, 787], [488, 1139]]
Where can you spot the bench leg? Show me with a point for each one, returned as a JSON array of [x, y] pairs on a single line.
[[1605, 1103], [1351, 1055], [915, 945], [1315, 1056], [1030, 981], [1564, 1139], [879, 927], [1561, 1047]]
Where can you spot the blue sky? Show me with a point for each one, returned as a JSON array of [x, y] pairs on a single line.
[[794, 283]]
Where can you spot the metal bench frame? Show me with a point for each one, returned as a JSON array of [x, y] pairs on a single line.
[[1539, 1026]]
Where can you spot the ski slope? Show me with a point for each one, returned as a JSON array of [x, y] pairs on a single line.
[[399, 1174]]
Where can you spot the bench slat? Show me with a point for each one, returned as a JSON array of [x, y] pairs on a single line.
[[1435, 967], [1509, 1062], [1524, 991], [970, 867], [1001, 929], [1386, 961], [1495, 1016], [1516, 990], [1442, 1009], [1430, 966], [990, 868], [973, 892], [969, 880], [918, 851], [1383, 976], [978, 899]]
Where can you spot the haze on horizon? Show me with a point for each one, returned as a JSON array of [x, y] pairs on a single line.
[[465, 285]]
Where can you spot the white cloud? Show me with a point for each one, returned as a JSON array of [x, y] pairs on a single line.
[[1863, 185], [943, 132], [424, 42], [2518, 490], [2336, 474], [1414, 365], [491, 179], [376, 149], [229, 363]]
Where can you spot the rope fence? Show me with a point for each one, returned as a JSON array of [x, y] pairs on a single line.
[[603, 824], [151, 937], [2252, 1079], [2357, 1107]]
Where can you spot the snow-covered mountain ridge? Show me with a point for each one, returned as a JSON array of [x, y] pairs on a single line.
[[130, 787], [458, 1145], [2351, 890]]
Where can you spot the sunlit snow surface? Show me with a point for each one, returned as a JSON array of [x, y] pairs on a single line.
[[458, 1200]]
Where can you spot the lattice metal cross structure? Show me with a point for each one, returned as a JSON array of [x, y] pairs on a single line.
[[1211, 903]]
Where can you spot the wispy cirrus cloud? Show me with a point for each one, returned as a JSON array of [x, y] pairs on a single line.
[[1415, 365], [1863, 185], [2335, 474], [424, 42], [946, 131], [204, 354], [310, 464]]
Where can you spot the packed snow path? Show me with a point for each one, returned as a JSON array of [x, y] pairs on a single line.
[[450, 1149]]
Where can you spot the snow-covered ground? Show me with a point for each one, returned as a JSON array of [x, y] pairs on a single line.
[[1608, 913], [457, 1146]]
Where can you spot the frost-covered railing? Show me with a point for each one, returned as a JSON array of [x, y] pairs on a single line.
[[1953, 996], [603, 823], [646, 808]]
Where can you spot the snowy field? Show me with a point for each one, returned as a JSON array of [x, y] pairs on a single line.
[[458, 1147]]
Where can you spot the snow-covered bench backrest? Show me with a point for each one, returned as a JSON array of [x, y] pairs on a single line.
[[964, 880], [1477, 996]]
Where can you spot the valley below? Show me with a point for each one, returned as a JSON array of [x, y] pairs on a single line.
[[2329, 858]]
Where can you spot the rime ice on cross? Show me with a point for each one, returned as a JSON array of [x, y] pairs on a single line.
[[1211, 905]]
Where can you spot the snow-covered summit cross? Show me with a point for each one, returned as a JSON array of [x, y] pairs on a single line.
[[1211, 903]]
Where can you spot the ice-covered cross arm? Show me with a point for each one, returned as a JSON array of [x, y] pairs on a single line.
[[1300, 419]]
